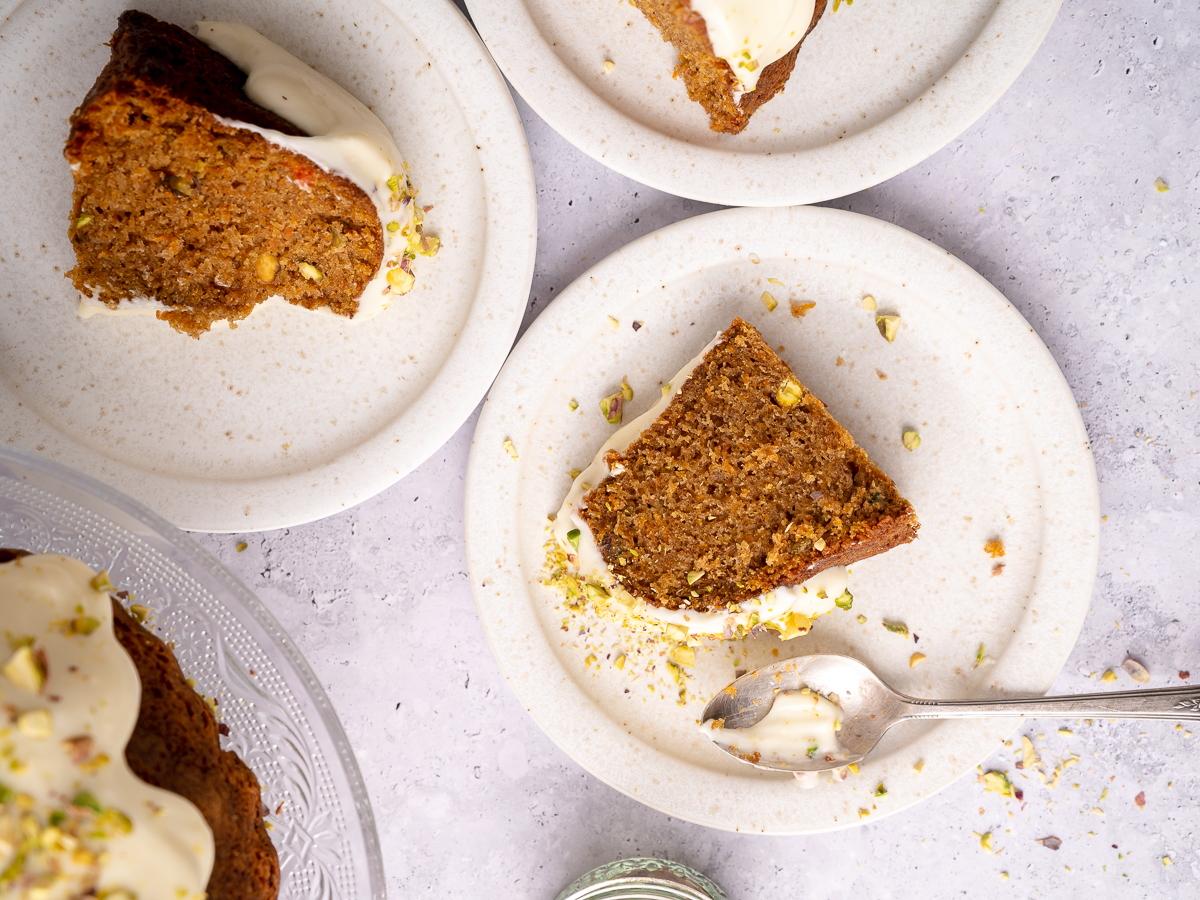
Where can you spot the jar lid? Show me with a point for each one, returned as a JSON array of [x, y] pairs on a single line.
[[643, 878]]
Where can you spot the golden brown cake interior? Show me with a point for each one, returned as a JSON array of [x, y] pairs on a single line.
[[708, 78], [176, 746], [743, 484], [206, 218]]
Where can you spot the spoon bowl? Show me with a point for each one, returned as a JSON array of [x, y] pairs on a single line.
[[869, 707]]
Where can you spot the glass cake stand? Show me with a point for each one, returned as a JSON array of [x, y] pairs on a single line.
[[280, 721]]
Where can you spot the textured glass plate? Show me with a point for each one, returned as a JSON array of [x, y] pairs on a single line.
[[280, 721]]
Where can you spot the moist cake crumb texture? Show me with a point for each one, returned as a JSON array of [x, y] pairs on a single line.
[[206, 218], [708, 78], [745, 483]]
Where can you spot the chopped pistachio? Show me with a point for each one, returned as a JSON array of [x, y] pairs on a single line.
[[862, 620], [897, 628], [241, 546], [1136, 670], [101, 583], [863, 813], [1028, 756], [694, 576], [994, 548], [393, 227], [789, 393], [313, 274], [78, 748], [769, 302], [911, 440], [573, 537], [401, 280], [612, 406], [139, 612], [683, 656], [985, 841], [853, 767], [880, 791], [36, 723], [844, 601], [26, 670], [609, 65], [1108, 676], [626, 391], [595, 591], [997, 782], [918, 766], [979, 655], [83, 625], [819, 544], [180, 185], [83, 221], [1166, 860], [266, 267], [915, 660], [510, 449], [613, 323], [573, 405], [666, 389], [776, 282], [394, 184], [1160, 186], [888, 326], [619, 662], [674, 671], [868, 302], [429, 245], [574, 473]]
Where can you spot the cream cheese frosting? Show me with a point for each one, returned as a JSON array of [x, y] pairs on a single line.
[[812, 598], [800, 726], [347, 140], [74, 819], [752, 34]]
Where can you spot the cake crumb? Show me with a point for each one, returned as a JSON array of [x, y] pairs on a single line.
[[997, 570], [800, 310], [994, 548], [510, 449]]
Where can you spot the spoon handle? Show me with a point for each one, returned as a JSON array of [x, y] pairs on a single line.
[[1158, 703]]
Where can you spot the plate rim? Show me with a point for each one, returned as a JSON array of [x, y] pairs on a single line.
[[193, 552], [488, 540], [376, 461], [627, 146]]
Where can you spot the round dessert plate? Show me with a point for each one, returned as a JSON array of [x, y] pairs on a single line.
[[877, 87], [279, 720], [1003, 457], [292, 415]]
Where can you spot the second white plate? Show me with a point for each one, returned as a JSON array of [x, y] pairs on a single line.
[[877, 88], [292, 416], [1003, 456]]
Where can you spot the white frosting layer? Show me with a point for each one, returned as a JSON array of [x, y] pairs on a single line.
[[347, 138], [68, 744], [752, 34], [812, 598], [800, 726]]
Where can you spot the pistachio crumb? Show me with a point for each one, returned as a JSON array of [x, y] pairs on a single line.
[[609, 65], [897, 628], [573, 405], [1161, 186], [241, 547], [312, 273], [769, 302], [510, 449], [789, 393], [911, 440], [868, 302], [613, 323], [918, 766], [888, 327], [862, 620], [1108, 676]]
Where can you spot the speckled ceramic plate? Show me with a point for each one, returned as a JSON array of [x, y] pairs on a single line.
[[279, 720], [292, 416], [1003, 455], [877, 88]]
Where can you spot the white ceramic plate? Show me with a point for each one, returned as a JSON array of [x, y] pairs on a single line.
[[292, 416], [878, 87], [1003, 455]]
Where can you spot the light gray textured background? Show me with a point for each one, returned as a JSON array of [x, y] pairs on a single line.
[[1051, 197]]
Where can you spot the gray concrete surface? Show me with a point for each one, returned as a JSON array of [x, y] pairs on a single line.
[[1051, 197]]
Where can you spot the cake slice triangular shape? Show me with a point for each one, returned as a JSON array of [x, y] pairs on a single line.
[[744, 484]]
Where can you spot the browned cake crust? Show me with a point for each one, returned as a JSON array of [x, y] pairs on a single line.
[[208, 219], [176, 746], [730, 483], [708, 78]]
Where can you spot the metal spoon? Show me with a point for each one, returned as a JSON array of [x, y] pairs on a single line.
[[869, 707]]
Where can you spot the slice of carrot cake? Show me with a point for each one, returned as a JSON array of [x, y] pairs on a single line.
[[734, 55], [215, 173], [735, 501]]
